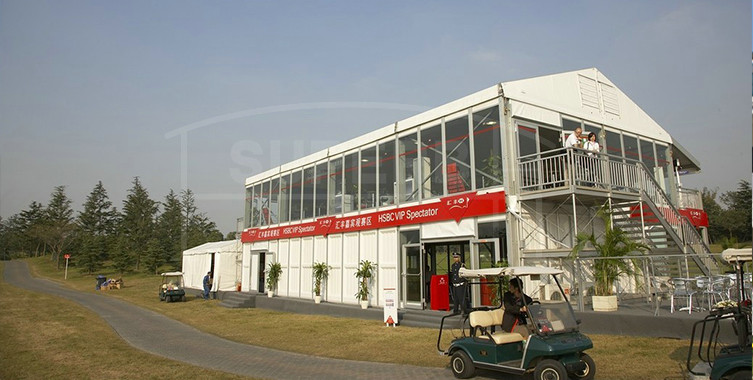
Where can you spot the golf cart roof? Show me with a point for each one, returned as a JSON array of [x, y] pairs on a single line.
[[172, 274], [509, 271], [732, 255]]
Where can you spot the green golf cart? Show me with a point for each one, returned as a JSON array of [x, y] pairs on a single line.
[[171, 289], [553, 349], [719, 356]]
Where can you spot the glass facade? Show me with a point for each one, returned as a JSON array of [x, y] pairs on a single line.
[[350, 175], [408, 170], [386, 184], [274, 195], [296, 196], [308, 193], [320, 190], [368, 178], [432, 183], [285, 198], [335, 186], [458, 155], [487, 148]]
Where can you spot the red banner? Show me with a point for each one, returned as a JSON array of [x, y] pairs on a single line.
[[698, 218], [449, 208]]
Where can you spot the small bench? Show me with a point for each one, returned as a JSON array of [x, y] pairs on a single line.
[[484, 320]]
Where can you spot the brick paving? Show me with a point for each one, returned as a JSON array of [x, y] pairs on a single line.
[[162, 336]]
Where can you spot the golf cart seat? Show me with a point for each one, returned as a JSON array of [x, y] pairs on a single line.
[[484, 320]]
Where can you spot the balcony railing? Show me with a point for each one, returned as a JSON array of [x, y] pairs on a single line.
[[690, 198], [562, 168]]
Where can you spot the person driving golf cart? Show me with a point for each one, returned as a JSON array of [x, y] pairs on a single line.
[[515, 301]]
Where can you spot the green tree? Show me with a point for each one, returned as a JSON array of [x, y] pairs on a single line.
[[59, 227], [169, 228], [97, 224], [123, 256], [737, 216], [137, 225], [715, 214], [30, 229], [154, 256], [197, 228]]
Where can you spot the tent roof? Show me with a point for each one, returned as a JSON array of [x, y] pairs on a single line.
[[508, 271], [214, 247]]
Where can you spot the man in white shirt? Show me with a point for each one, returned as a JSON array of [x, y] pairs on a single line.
[[574, 140]]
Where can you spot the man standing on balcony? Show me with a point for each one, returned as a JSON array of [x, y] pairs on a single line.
[[574, 140]]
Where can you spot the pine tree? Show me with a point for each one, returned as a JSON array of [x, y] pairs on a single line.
[[30, 229], [137, 225], [97, 224], [59, 227], [154, 256], [123, 257], [169, 228], [197, 228]]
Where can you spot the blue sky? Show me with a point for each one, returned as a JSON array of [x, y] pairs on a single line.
[[91, 90]]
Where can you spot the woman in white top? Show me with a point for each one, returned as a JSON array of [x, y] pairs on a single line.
[[591, 145]]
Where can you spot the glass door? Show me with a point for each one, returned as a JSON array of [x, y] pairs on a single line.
[[412, 293], [484, 254]]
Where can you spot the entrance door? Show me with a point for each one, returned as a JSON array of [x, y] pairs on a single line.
[[484, 254], [438, 261], [262, 267], [413, 296]]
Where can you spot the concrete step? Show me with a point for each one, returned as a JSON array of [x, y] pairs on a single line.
[[237, 300]]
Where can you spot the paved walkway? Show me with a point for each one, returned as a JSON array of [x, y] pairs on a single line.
[[146, 330]]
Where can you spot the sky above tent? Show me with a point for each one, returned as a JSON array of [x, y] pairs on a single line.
[[93, 90]]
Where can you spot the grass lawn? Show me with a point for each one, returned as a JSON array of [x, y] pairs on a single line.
[[46, 337], [617, 357]]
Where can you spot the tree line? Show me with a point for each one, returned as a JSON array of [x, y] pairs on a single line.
[[730, 221], [144, 235]]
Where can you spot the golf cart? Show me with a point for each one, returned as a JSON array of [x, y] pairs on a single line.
[[171, 289], [553, 349], [720, 361]]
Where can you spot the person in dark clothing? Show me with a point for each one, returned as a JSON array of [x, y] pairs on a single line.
[[207, 282], [459, 284], [515, 302]]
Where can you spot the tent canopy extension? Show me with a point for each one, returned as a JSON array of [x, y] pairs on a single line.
[[197, 261]]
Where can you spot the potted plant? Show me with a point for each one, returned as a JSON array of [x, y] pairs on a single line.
[[609, 264], [274, 271], [321, 272], [365, 271]]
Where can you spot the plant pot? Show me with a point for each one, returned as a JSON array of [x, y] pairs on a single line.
[[317, 299], [604, 303], [364, 304], [270, 293]]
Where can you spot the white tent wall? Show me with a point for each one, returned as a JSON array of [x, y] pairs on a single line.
[[197, 262], [368, 251], [350, 266], [320, 256], [246, 277], [388, 258], [282, 258], [294, 277], [307, 259], [335, 261]]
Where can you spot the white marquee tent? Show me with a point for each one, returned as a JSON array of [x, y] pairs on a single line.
[[197, 261]]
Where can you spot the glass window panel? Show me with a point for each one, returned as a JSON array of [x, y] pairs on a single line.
[[274, 204], [410, 237], [336, 186], [647, 153], [368, 178], [431, 156], [663, 169], [526, 140], [386, 180], [350, 174], [568, 126], [630, 145], [320, 205], [264, 201], [549, 139], [408, 171], [285, 198], [308, 193], [296, 195], [488, 148], [614, 145], [458, 150], [249, 205], [257, 205], [492, 230]]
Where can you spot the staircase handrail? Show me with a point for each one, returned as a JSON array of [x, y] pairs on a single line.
[[680, 223]]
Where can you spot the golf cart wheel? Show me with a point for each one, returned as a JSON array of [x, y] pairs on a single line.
[[182, 298], [167, 299], [589, 372], [739, 375], [549, 369], [462, 365]]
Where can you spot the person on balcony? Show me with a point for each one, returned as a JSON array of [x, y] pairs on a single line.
[[592, 145], [574, 140]]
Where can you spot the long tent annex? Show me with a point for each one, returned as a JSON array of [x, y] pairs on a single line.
[[221, 258], [485, 176]]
